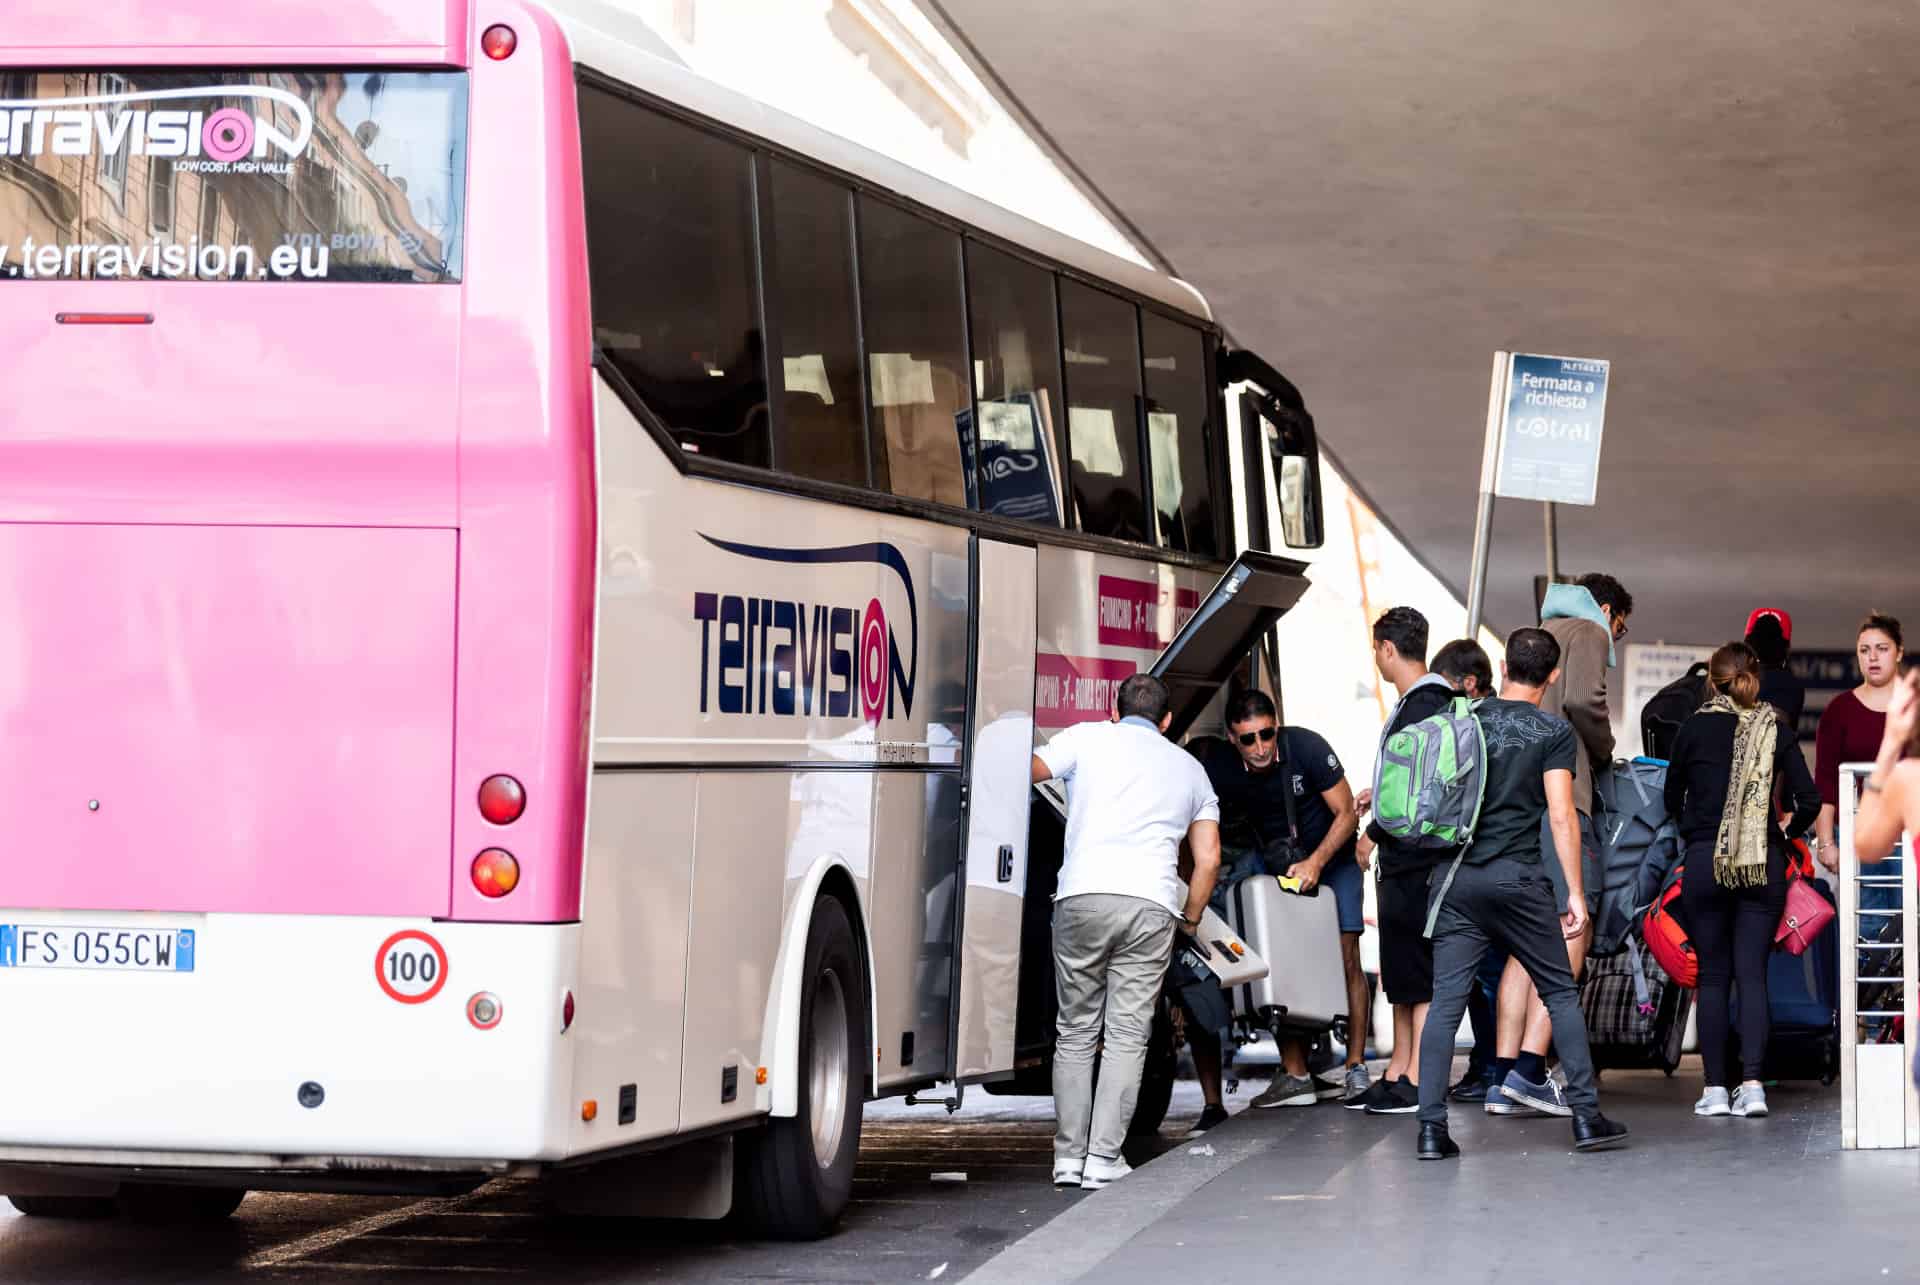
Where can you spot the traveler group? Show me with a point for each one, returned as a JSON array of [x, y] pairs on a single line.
[[1479, 831]]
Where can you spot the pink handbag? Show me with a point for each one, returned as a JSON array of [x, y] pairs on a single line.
[[1807, 913]]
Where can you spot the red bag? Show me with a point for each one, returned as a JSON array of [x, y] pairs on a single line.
[[1807, 913], [1667, 936]]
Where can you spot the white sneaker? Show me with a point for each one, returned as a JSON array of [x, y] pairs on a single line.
[[1750, 1101], [1101, 1171], [1712, 1102], [1066, 1173]]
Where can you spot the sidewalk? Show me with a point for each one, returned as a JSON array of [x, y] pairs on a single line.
[[1324, 1194]]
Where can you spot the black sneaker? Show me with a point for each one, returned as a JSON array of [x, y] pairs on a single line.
[[1597, 1133], [1401, 1098], [1214, 1114], [1473, 1085], [1379, 1093]]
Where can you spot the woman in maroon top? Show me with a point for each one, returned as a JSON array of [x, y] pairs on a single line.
[[1853, 722]]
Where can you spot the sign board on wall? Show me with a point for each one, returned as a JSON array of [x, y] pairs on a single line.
[[1644, 669]]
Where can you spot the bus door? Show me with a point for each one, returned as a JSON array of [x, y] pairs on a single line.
[[999, 757]]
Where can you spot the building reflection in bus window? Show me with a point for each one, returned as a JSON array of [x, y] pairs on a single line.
[[1016, 373], [1100, 340], [1177, 399], [671, 257], [916, 352], [822, 435]]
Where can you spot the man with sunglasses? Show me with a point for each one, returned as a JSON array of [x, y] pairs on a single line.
[[1249, 773], [1586, 618]]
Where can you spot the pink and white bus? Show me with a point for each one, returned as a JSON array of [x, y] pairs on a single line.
[[527, 586]]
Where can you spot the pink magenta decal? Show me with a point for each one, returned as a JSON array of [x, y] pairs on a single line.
[[873, 662], [1075, 689], [1130, 612], [227, 135]]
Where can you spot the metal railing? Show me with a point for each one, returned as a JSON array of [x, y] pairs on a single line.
[[1879, 1107]]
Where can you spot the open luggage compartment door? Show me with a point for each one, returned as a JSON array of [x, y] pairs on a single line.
[[1255, 592]]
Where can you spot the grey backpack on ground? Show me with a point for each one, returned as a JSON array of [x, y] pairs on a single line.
[[1639, 847]]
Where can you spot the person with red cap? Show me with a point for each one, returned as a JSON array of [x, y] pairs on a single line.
[[1770, 634]]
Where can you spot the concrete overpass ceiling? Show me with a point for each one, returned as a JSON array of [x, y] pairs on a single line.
[[1720, 198]]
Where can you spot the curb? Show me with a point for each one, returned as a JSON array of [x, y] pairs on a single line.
[[1067, 1247]]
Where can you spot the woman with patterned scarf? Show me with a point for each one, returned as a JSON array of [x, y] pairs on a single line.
[[1730, 762]]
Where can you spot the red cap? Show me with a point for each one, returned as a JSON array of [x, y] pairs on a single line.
[[1786, 621]]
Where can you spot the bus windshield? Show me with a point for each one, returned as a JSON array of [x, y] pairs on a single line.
[[232, 175]]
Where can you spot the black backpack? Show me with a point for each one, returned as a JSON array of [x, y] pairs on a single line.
[[1672, 705]]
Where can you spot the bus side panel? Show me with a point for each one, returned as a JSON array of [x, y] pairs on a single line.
[[633, 955], [917, 849], [739, 900]]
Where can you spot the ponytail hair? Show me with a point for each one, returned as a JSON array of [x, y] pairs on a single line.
[[1734, 672]]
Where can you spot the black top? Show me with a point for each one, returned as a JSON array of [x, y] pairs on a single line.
[[1423, 701], [1782, 689], [1253, 813], [1701, 768], [1523, 745]]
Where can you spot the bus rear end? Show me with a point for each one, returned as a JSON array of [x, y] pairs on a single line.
[[295, 594]]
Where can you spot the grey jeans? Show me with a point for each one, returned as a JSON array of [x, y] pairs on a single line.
[[1110, 958]]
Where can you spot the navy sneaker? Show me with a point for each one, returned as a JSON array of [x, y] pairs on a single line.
[[1547, 1098], [1498, 1103]]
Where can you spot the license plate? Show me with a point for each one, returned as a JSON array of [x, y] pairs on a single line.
[[138, 950]]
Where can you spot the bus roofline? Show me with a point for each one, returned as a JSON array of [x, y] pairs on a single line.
[[780, 1046]]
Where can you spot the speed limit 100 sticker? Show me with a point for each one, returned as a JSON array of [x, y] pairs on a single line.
[[411, 966]]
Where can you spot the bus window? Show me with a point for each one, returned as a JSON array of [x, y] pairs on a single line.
[[823, 434], [671, 260], [1177, 400], [916, 352], [1016, 376], [1100, 340]]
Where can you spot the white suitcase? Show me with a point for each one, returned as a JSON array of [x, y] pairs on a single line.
[[1299, 937]]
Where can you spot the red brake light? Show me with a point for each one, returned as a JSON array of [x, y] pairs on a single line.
[[104, 318], [498, 41], [495, 872], [566, 1013], [502, 800]]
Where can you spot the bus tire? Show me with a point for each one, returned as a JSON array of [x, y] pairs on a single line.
[[1157, 1074], [64, 1206], [164, 1205], [794, 1176]]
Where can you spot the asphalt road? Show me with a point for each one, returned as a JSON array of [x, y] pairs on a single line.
[[904, 1224]]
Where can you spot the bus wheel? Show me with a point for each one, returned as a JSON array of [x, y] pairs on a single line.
[[1157, 1074], [150, 1203], [64, 1206], [794, 1176]]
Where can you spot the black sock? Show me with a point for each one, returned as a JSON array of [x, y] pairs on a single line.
[[1501, 1065], [1532, 1066]]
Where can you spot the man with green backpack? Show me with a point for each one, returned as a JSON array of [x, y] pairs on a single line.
[[1501, 766]]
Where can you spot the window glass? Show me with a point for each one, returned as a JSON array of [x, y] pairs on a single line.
[[671, 257], [1100, 340], [1177, 400], [1016, 374], [916, 353], [819, 353]]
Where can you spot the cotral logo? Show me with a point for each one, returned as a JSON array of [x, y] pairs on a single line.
[[783, 656]]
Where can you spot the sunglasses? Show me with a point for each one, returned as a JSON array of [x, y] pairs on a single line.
[[1248, 738]]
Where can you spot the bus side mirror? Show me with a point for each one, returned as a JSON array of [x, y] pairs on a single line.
[[1296, 472]]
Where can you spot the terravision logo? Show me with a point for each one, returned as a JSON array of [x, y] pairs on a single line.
[[790, 657], [133, 123]]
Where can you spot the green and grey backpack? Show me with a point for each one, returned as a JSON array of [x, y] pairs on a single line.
[[1431, 778]]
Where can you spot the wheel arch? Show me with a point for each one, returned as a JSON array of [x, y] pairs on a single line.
[[780, 1047]]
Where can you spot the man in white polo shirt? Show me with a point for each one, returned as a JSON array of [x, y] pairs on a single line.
[[1132, 796]]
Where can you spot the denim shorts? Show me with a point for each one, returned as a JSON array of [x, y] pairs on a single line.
[[1347, 882]]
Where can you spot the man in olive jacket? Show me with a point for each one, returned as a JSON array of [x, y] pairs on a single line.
[[1586, 618]]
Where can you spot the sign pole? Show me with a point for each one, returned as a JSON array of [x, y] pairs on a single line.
[[1483, 518], [1553, 544]]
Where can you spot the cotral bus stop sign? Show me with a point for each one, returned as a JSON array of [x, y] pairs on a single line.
[[1550, 435]]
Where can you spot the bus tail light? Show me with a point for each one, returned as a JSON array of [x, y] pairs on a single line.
[[495, 872], [566, 1012], [498, 42], [484, 1011], [502, 799]]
